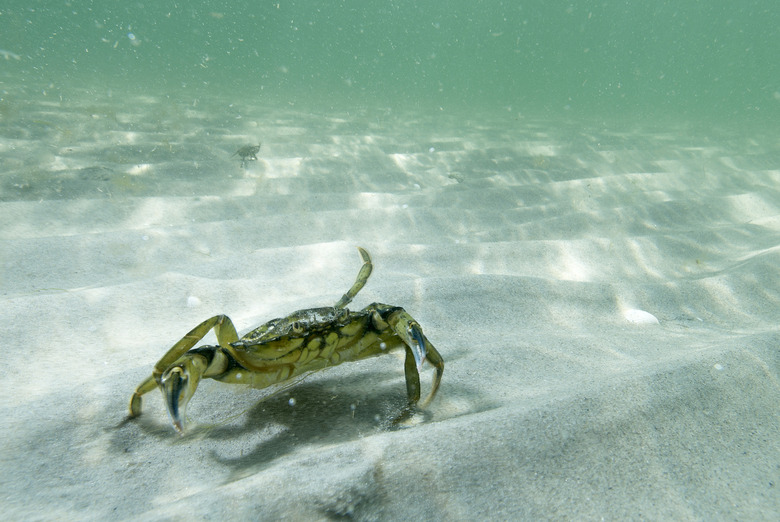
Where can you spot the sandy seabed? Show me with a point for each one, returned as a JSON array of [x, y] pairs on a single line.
[[606, 298]]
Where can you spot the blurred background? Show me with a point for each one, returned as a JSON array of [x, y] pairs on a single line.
[[710, 60]]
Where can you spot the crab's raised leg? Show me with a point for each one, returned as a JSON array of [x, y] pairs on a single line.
[[178, 361], [362, 277], [418, 349]]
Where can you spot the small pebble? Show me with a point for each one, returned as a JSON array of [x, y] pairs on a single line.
[[193, 302]]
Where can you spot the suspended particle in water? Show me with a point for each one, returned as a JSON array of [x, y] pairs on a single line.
[[134, 41]]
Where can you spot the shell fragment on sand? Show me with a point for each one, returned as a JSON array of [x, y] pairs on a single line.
[[640, 317]]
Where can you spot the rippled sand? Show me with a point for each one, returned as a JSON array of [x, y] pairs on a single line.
[[606, 298]]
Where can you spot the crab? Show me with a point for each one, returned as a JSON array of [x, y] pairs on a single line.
[[247, 153], [283, 351]]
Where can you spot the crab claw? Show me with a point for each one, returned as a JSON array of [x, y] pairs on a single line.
[[419, 350], [178, 384]]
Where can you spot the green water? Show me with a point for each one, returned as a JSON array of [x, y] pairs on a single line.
[[692, 59]]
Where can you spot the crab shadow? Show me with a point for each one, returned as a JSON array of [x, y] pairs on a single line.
[[323, 413], [324, 410]]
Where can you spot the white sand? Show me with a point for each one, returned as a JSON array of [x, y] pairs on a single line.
[[536, 255]]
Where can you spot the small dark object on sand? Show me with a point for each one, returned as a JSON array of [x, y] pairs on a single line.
[[247, 153]]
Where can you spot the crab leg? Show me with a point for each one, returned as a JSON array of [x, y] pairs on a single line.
[[223, 329], [226, 334], [412, 378], [418, 350], [362, 277]]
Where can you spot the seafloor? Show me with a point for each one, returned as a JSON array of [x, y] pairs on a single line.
[[605, 296]]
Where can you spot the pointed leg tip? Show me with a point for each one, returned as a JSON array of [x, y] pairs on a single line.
[[364, 254], [135, 406]]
